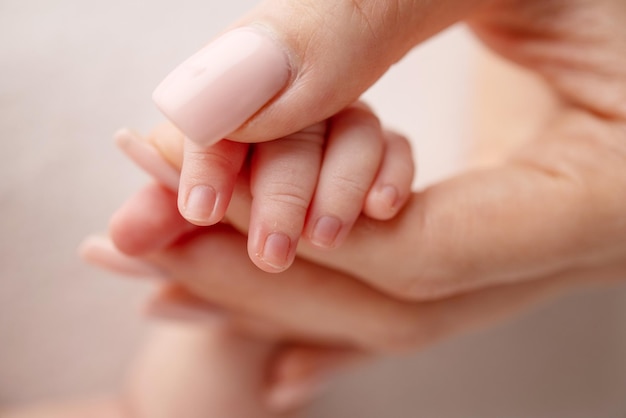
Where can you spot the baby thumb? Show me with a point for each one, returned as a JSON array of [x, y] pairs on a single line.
[[290, 63]]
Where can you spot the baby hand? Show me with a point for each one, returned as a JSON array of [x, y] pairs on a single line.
[[313, 183]]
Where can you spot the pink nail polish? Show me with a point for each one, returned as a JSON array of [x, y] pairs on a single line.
[[215, 91], [148, 158], [101, 252]]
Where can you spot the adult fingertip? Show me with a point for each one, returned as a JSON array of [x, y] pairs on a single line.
[[383, 202], [225, 83]]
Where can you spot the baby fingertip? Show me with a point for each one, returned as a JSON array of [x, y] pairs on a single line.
[[275, 254], [198, 206], [325, 232], [383, 202]]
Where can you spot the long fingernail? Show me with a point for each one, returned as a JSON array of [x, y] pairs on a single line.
[[291, 395], [215, 91], [199, 205], [276, 250], [148, 158], [100, 251]]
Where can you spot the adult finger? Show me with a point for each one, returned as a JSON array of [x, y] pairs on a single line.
[[234, 282], [327, 305], [173, 302], [324, 306], [283, 66], [555, 206]]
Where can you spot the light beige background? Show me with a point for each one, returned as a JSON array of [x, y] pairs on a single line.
[[72, 72]]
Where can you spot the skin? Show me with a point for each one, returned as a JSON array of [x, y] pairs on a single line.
[[553, 208], [186, 371], [228, 356], [329, 171], [547, 218]]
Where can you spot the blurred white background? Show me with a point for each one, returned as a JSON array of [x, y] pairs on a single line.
[[72, 72]]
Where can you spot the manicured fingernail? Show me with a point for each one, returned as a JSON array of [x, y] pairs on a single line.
[[276, 250], [183, 312], [215, 91], [148, 158], [325, 231], [287, 396], [199, 205], [100, 251], [390, 196]]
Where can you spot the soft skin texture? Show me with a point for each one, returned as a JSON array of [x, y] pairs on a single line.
[[373, 35], [191, 371], [548, 218], [553, 208], [314, 182], [554, 205]]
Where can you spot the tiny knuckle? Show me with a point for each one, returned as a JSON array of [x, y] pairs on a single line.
[[289, 197], [349, 186], [371, 133], [213, 158]]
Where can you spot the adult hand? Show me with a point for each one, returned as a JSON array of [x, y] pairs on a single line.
[[553, 212], [283, 67], [554, 206], [290, 64]]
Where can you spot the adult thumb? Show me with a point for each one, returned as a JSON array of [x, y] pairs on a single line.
[[290, 63]]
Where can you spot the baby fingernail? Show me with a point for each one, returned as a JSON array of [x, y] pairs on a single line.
[[276, 250], [199, 205], [148, 158], [215, 91], [101, 251], [325, 231], [390, 196]]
